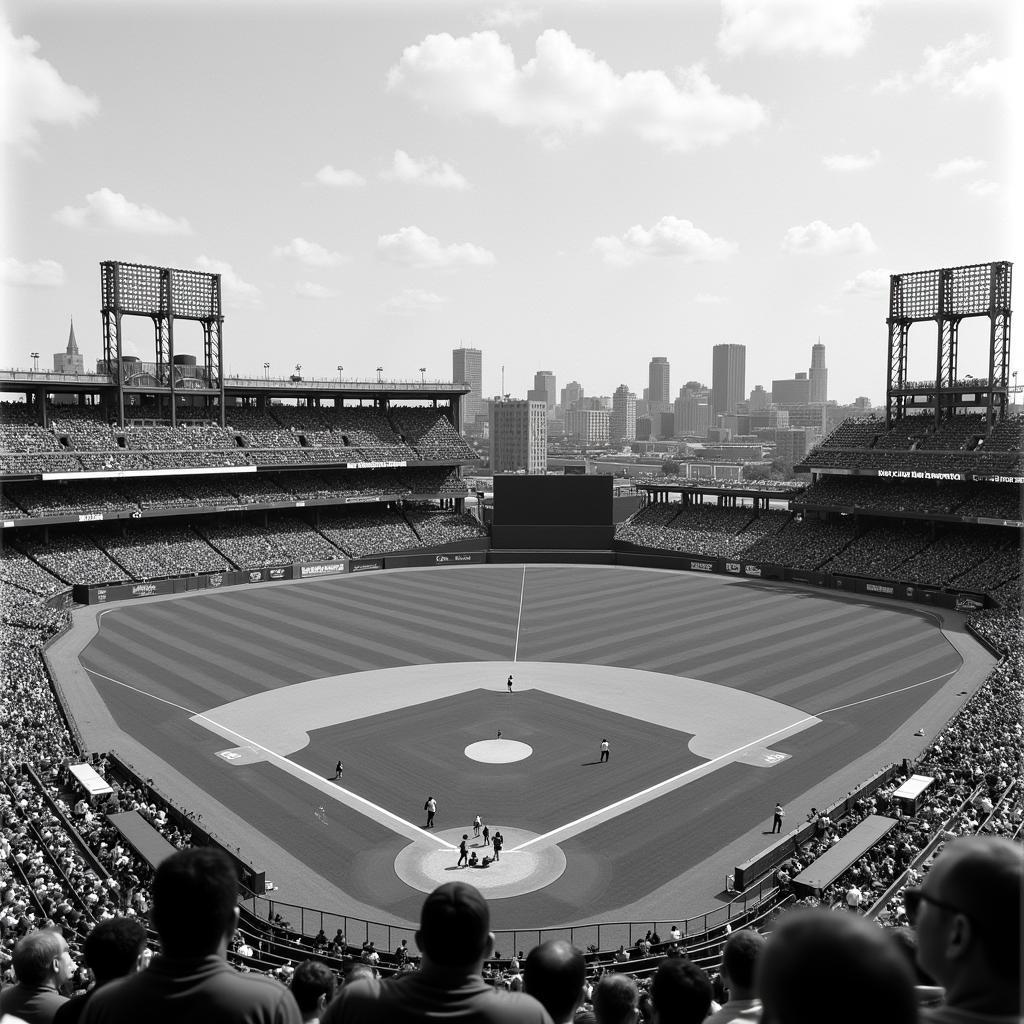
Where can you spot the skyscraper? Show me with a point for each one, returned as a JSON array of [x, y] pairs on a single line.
[[518, 436], [622, 423], [658, 376], [571, 394], [544, 380], [728, 377], [819, 374], [467, 368]]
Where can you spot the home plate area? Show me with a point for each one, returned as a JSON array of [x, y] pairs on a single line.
[[527, 761]]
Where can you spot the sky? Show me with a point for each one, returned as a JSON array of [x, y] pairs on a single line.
[[574, 186]]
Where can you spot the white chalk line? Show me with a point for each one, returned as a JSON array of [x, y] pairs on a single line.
[[519, 621], [293, 767]]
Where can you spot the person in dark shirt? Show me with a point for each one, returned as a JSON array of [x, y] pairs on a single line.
[[42, 963], [195, 913], [113, 949]]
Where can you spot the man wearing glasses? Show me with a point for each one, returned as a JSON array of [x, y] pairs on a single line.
[[967, 913]]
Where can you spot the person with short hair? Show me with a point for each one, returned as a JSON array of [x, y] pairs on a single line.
[[195, 913], [967, 913], [777, 816], [497, 842], [739, 964], [454, 939], [680, 992], [554, 974], [113, 949], [463, 852], [431, 808], [605, 751], [42, 963], [313, 986], [615, 999], [835, 967]]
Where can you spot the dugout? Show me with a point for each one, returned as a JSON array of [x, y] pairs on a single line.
[[815, 878], [910, 796], [89, 781]]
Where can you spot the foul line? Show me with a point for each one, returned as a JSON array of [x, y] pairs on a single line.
[[292, 766], [705, 765], [519, 621]]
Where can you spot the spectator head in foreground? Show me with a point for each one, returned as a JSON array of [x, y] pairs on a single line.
[[42, 963], [680, 992], [313, 985], [455, 927], [195, 902], [615, 999], [835, 966], [554, 974], [968, 919], [739, 968], [114, 948]]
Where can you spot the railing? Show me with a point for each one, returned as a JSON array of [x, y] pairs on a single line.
[[606, 936]]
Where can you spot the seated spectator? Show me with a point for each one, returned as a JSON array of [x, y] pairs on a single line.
[[195, 913], [968, 921], [680, 992], [42, 964], [313, 986], [840, 968], [739, 963], [615, 999], [455, 939], [113, 949], [554, 975]]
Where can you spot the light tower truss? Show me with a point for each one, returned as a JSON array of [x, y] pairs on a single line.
[[164, 295], [945, 297]]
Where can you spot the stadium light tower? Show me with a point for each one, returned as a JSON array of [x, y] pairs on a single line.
[[423, 375], [35, 360], [266, 370], [340, 368], [380, 370]]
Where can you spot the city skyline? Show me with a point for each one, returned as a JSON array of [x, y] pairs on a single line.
[[561, 185]]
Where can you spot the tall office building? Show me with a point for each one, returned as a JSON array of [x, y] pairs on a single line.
[[70, 360], [819, 374], [622, 424], [467, 368], [728, 377], [544, 380], [791, 391], [518, 435], [588, 426], [658, 391], [571, 394]]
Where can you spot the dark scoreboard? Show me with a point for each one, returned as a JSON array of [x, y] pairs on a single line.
[[564, 512]]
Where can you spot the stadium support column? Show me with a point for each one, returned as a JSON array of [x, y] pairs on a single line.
[[213, 344], [999, 343], [945, 357], [110, 312], [899, 331]]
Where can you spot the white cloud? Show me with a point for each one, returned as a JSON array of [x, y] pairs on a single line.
[[958, 166], [510, 16], [669, 237], [414, 300], [328, 175], [310, 253], [869, 282], [707, 299], [981, 189], [237, 291], [427, 171], [37, 274], [565, 90], [34, 93], [947, 68], [312, 290], [819, 239], [413, 247], [108, 209], [837, 28], [846, 162]]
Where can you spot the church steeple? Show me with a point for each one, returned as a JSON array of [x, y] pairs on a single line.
[[72, 344]]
